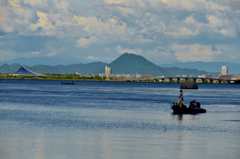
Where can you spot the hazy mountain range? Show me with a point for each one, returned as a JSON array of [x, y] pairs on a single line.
[[207, 66], [51, 61], [132, 64], [58, 69], [128, 64]]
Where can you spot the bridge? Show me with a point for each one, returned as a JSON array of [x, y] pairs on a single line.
[[178, 79]]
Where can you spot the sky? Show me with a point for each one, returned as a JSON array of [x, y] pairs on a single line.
[[84, 31]]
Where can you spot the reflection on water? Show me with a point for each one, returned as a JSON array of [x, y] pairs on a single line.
[[179, 116], [43, 119]]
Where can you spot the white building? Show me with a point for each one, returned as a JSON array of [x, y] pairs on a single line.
[[224, 70], [201, 76], [108, 70]]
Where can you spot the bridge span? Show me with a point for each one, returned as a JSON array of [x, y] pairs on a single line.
[[178, 79]]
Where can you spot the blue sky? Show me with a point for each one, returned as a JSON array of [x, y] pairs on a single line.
[[162, 31]]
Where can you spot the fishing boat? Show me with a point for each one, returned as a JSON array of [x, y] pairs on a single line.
[[189, 86], [69, 83], [191, 109]]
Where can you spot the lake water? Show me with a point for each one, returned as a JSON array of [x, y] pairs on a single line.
[[116, 120]]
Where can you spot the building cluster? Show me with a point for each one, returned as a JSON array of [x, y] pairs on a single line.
[[223, 76], [108, 73]]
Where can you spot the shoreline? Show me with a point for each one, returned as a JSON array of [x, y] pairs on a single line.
[[96, 80]]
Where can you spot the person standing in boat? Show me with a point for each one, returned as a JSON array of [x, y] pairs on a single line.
[[180, 98]]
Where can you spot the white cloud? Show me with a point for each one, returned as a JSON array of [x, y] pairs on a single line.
[[225, 32], [35, 52], [183, 32], [114, 1], [92, 57], [108, 30], [159, 55], [84, 43], [6, 24], [230, 53], [52, 54], [187, 4], [190, 20], [196, 52], [120, 50], [214, 21], [14, 3], [139, 24], [36, 2], [43, 22], [126, 11], [62, 5]]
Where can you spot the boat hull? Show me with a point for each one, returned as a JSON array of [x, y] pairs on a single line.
[[68, 83], [188, 110], [185, 110], [188, 86]]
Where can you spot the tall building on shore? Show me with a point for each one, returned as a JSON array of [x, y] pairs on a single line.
[[108, 70], [224, 70]]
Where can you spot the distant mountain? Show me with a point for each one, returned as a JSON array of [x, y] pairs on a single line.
[[9, 68], [207, 66], [125, 64], [131, 63], [52, 61], [69, 69]]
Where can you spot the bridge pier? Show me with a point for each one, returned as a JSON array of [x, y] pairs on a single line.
[[178, 80], [211, 81]]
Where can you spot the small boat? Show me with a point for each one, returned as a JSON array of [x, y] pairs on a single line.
[[69, 83], [192, 109], [189, 86]]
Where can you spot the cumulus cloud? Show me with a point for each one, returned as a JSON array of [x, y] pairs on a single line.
[[196, 52], [84, 43], [107, 30], [43, 22], [36, 2], [143, 25], [214, 21], [145, 19], [182, 32]]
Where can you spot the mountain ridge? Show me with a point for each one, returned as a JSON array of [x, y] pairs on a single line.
[[51, 61], [206, 66], [127, 63], [58, 69]]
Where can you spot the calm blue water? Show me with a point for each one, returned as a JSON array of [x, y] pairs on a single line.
[[116, 120]]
